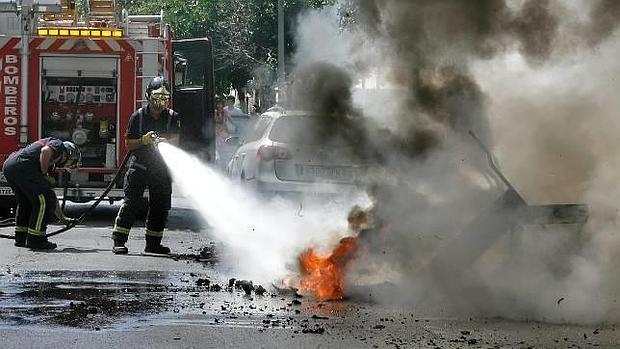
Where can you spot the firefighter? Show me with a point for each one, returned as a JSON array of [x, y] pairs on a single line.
[[147, 169], [28, 173]]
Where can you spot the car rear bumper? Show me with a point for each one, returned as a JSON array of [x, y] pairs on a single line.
[[274, 185], [314, 188]]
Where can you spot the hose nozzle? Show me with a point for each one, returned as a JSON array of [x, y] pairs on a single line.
[[156, 138]]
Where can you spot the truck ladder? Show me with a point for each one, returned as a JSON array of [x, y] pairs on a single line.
[[68, 13], [102, 10], [149, 63]]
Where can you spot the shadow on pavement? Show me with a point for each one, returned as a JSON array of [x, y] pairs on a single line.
[[104, 215], [77, 250]]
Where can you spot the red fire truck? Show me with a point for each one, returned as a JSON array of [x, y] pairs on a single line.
[[80, 79]]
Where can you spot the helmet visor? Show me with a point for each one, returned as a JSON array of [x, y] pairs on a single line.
[[160, 98]]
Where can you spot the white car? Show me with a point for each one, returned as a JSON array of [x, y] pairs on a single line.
[[284, 153]]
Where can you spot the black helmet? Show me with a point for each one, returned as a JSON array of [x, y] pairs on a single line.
[[155, 84], [74, 156]]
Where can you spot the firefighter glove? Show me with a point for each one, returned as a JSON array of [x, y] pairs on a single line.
[[49, 179], [149, 138]]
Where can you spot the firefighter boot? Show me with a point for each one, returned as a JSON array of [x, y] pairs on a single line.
[[37, 242], [153, 245], [20, 238], [119, 243]]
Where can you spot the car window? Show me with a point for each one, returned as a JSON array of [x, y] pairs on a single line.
[[309, 130], [259, 129], [303, 130]]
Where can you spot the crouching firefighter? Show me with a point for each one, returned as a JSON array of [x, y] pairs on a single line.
[[147, 126], [28, 173]]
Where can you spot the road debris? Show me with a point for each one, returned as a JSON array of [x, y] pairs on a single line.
[[317, 330], [203, 282], [260, 290], [246, 285]]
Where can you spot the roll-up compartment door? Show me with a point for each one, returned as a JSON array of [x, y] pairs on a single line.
[[94, 67]]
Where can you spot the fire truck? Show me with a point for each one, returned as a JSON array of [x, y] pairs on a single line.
[[79, 78]]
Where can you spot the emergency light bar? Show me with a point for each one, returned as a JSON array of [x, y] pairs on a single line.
[[81, 32]]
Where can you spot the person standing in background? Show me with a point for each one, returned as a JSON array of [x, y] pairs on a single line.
[[230, 107]]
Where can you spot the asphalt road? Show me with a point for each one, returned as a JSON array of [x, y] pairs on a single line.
[[83, 296]]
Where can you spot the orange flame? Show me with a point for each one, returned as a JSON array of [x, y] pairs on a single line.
[[323, 276]]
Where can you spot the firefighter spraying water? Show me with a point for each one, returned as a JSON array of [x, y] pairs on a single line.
[[147, 169]]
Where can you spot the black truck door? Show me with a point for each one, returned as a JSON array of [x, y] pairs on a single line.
[[193, 95]]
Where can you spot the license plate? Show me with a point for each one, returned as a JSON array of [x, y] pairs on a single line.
[[327, 172], [6, 191]]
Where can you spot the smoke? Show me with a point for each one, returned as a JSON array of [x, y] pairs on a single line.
[[604, 17], [535, 80]]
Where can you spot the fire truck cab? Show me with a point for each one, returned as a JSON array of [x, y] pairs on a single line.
[[80, 79]]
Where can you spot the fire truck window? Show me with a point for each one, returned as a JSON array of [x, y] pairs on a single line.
[[188, 68], [180, 69]]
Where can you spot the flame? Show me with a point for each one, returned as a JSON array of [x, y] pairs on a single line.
[[323, 275]]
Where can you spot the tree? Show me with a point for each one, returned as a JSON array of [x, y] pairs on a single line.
[[244, 33]]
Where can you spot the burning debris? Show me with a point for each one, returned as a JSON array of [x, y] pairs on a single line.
[[324, 275]]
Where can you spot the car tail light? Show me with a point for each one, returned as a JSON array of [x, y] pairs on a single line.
[[271, 152]]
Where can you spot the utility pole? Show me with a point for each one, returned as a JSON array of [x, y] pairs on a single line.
[[280, 90], [281, 72]]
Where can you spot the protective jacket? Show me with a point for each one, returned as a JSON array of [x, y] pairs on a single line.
[[140, 123]]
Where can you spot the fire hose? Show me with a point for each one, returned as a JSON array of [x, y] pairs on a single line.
[[86, 213]]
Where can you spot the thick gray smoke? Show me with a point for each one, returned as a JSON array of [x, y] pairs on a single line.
[[533, 79]]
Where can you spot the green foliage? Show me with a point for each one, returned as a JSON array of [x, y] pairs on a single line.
[[244, 32]]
